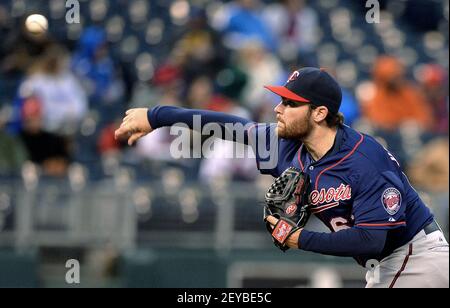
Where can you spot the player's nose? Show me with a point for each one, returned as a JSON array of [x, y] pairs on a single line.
[[279, 108]]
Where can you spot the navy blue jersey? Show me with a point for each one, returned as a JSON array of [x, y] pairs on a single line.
[[358, 184]]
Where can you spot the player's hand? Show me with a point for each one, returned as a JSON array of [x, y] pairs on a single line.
[[292, 240], [135, 125]]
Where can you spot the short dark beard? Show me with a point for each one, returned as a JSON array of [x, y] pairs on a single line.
[[299, 130]]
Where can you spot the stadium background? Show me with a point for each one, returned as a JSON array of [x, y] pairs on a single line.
[[135, 217]]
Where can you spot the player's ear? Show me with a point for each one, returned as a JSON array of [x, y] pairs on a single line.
[[320, 113]]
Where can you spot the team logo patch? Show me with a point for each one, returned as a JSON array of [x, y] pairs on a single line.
[[293, 76], [291, 209], [392, 200], [281, 231]]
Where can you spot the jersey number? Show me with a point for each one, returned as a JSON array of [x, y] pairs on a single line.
[[339, 223]]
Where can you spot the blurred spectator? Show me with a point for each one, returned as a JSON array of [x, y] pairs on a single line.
[[429, 172], [349, 107], [199, 51], [231, 81], [93, 64], [156, 146], [226, 161], [48, 150], [164, 88], [244, 21], [295, 27], [63, 100], [434, 81], [200, 93], [395, 100], [220, 163], [106, 143], [12, 153], [203, 94], [109, 149], [5, 27], [429, 169], [262, 68], [20, 49]]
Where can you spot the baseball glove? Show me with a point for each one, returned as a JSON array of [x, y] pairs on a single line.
[[287, 200]]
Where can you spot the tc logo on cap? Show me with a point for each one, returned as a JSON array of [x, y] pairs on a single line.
[[294, 76]]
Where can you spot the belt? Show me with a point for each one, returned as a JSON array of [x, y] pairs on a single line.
[[432, 227]]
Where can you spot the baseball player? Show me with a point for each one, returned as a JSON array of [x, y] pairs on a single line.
[[358, 189]]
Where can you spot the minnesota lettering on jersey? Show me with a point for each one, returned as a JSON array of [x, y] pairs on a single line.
[[330, 197], [343, 192]]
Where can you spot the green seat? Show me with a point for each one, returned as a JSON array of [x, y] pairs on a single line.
[[18, 270], [173, 269]]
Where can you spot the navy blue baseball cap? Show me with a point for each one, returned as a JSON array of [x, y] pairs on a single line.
[[311, 85]]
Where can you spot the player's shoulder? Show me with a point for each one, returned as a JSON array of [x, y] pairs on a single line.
[[366, 151]]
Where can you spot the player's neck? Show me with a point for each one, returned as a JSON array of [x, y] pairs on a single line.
[[320, 141]]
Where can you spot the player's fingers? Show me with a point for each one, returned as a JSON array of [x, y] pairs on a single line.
[[272, 220], [134, 138], [119, 132], [129, 111], [127, 118], [123, 131], [125, 125]]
